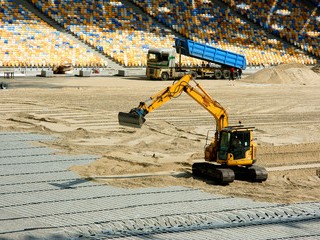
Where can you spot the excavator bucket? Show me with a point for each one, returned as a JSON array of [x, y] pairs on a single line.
[[131, 119]]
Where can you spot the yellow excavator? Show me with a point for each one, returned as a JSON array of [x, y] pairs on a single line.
[[230, 155]]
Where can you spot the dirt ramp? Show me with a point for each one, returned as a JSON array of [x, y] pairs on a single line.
[[286, 74]]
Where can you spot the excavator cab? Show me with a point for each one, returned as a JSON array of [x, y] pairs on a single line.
[[236, 146], [235, 152]]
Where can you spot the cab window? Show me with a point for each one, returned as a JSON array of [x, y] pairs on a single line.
[[241, 139], [153, 57], [239, 144]]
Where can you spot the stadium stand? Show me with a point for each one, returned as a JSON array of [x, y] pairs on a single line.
[[294, 21], [120, 31], [206, 21], [27, 41], [110, 26]]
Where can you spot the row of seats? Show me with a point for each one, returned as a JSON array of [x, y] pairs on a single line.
[[207, 22], [110, 27], [123, 34], [294, 21], [128, 47], [316, 3], [27, 41]]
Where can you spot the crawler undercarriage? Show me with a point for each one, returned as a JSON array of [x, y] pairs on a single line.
[[223, 175]]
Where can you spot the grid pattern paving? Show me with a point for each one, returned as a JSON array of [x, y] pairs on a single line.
[[41, 199]]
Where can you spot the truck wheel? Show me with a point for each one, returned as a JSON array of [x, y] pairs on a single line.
[[226, 74], [194, 74], [218, 74], [164, 76], [3, 85]]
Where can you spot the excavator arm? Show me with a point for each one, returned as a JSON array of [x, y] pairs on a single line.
[[212, 106], [135, 118]]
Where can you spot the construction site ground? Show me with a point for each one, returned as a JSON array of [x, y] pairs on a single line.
[[79, 117]]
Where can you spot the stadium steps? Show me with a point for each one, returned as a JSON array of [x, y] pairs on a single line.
[[140, 11], [257, 26], [55, 25], [254, 25]]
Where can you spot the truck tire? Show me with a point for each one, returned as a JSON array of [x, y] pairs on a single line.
[[193, 74], [217, 74], [3, 85], [164, 76], [226, 74]]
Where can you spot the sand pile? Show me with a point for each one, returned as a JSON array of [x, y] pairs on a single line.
[[285, 74]]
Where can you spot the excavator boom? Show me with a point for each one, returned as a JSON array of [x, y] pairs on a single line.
[[135, 117]]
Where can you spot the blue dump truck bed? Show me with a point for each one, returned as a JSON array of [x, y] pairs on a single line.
[[210, 54]]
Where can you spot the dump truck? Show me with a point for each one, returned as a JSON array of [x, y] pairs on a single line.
[[162, 63], [229, 156]]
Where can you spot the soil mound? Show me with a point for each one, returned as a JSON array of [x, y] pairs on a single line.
[[285, 74]]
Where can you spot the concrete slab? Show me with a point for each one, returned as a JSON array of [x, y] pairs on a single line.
[[41, 199]]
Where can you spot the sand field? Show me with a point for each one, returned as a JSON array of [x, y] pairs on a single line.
[[283, 104]]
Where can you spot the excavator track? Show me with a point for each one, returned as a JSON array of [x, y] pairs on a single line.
[[216, 173], [224, 175], [250, 174]]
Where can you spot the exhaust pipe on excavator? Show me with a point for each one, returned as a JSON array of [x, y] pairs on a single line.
[[131, 119]]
